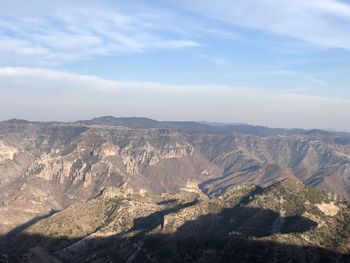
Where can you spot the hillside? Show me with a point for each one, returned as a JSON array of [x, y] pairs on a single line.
[[285, 222], [46, 167]]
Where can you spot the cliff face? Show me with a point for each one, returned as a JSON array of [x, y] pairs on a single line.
[[49, 166], [316, 161]]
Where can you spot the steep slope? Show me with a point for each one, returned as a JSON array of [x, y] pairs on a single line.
[[46, 167], [283, 222], [316, 161]]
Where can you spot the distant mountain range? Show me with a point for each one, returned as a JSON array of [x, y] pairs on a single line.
[[207, 127], [49, 166]]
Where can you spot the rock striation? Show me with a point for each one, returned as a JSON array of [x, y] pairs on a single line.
[[47, 167]]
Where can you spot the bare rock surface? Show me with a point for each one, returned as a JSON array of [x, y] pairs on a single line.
[[46, 167]]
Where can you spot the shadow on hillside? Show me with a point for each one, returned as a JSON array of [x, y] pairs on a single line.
[[146, 224], [14, 232], [225, 177], [167, 202], [233, 234]]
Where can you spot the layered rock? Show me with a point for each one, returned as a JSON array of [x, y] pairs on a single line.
[[49, 166]]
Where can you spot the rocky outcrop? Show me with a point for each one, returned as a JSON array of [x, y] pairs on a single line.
[[49, 166], [6, 152], [285, 221]]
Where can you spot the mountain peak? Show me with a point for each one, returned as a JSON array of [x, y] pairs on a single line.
[[129, 122]]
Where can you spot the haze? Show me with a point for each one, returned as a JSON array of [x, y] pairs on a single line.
[[275, 63]]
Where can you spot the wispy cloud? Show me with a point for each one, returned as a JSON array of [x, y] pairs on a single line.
[[84, 32], [296, 73], [213, 59], [44, 92], [325, 22], [282, 72]]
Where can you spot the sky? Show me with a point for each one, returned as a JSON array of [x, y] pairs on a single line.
[[277, 63]]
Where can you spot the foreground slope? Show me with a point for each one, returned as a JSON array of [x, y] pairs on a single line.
[[285, 222]]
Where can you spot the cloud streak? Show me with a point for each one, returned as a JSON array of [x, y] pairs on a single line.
[[56, 95], [63, 36], [324, 22], [213, 59]]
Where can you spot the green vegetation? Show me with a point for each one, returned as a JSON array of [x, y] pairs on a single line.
[[214, 207], [315, 196], [244, 224]]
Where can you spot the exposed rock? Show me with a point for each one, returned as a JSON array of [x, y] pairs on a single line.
[[243, 224], [6, 152], [329, 209], [49, 166]]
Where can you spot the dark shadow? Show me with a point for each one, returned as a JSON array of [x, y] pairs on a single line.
[[234, 234], [225, 177], [167, 202], [12, 234], [245, 199], [149, 223]]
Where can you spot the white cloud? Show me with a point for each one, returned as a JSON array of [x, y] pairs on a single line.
[[68, 31], [321, 22], [213, 59], [75, 32], [43, 94]]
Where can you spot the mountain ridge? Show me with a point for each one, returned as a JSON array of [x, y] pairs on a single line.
[[277, 223], [144, 123], [49, 166]]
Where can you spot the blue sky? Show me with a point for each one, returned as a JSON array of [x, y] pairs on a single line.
[[281, 63]]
